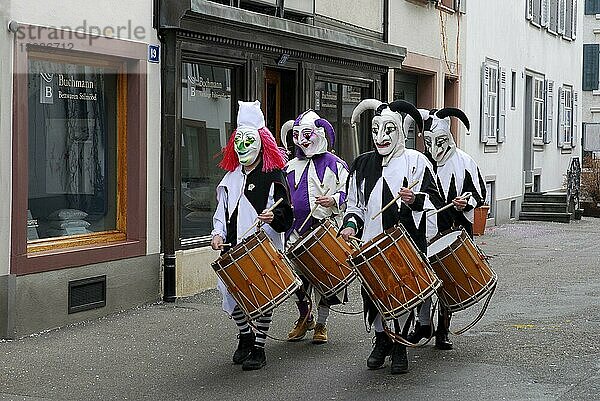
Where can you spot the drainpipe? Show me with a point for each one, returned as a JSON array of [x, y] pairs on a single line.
[[386, 21], [170, 102]]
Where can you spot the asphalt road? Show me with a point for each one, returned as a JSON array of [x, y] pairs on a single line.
[[539, 340]]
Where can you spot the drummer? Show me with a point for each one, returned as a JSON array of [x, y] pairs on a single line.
[[317, 182], [254, 181], [375, 179], [457, 173]]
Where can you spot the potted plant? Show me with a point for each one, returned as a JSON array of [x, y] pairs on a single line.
[[480, 219]]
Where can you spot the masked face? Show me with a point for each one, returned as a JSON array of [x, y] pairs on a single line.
[[310, 139], [247, 145], [387, 135], [440, 144]]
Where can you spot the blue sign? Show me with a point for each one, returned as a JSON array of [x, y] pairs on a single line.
[[153, 53]]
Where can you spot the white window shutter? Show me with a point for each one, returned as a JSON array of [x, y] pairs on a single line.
[[545, 13], [574, 21], [502, 106], [574, 119], [549, 111], [561, 117], [562, 14], [485, 84], [529, 9]]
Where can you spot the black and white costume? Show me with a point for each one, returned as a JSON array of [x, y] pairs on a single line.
[[457, 174], [375, 179]]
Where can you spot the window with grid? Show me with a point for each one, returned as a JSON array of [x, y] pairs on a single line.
[[538, 108], [568, 114], [492, 99]]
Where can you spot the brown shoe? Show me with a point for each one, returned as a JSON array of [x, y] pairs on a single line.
[[299, 331], [320, 334]]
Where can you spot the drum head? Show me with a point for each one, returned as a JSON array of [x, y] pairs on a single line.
[[442, 243]]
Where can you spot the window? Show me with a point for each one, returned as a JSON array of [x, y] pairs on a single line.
[[538, 109], [592, 7], [74, 152], [79, 142], [205, 129], [590, 66], [557, 16], [567, 115], [493, 102], [490, 197], [335, 103], [513, 90]]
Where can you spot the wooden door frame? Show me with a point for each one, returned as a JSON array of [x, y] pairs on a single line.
[[273, 77]]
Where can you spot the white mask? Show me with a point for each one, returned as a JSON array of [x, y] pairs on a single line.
[[388, 134], [247, 145], [439, 141], [308, 137]]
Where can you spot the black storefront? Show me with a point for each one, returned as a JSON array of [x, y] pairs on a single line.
[[214, 55]]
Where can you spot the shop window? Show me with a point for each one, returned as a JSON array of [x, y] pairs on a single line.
[[205, 129], [73, 151], [79, 142], [335, 102]]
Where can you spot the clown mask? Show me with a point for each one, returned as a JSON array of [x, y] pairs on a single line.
[[439, 141], [247, 145], [310, 139], [388, 135]]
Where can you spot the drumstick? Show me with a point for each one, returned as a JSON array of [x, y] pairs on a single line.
[[466, 195], [224, 245], [258, 220], [393, 200], [311, 212], [354, 238]]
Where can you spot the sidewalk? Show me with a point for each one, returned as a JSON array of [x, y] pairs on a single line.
[[539, 340]]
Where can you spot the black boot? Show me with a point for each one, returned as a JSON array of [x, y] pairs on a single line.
[[257, 359], [441, 334], [419, 333], [399, 359], [382, 348], [244, 348]]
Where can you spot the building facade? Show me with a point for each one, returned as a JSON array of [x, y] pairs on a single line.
[[522, 90], [305, 54], [80, 129], [590, 78]]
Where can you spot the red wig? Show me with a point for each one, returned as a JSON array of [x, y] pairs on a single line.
[[272, 157]]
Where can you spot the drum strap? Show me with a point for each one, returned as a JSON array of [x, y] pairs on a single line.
[[481, 313]]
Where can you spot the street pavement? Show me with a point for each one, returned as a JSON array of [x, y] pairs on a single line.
[[539, 340]]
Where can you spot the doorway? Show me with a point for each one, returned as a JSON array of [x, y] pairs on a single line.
[[279, 99], [528, 135]]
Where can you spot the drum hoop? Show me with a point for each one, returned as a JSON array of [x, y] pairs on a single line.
[[301, 249], [309, 238], [369, 244], [405, 307], [461, 239], [260, 236]]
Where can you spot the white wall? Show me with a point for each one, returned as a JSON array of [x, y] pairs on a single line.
[[71, 13], [418, 27], [5, 135], [366, 14], [500, 32]]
